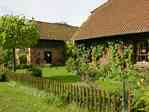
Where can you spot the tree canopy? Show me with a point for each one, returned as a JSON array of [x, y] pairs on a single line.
[[17, 32]]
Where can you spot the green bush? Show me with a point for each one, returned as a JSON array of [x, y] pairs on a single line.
[[1, 56], [23, 66], [23, 59], [37, 72], [104, 72], [2, 76], [70, 65], [46, 65], [141, 100]]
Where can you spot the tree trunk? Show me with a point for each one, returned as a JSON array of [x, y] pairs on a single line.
[[14, 60]]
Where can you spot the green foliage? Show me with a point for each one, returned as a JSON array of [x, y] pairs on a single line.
[[52, 72], [85, 58], [24, 66], [74, 108], [104, 72], [96, 52], [55, 100], [141, 100], [71, 65], [1, 56], [23, 59], [7, 57], [79, 62], [119, 69], [17, 32], [110, 86], [30, 100], [145, 99], [2, 76], [36, 71], [69, 49]]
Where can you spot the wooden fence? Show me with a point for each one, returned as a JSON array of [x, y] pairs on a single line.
[[91, 98]]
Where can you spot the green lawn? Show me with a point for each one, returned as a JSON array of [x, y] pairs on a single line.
[[60, 73], [57, 73], [17, 98]]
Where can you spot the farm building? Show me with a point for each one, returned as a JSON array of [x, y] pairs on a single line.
[[50, 47], [125, 20]]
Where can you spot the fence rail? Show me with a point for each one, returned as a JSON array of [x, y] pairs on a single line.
[[92, 98]]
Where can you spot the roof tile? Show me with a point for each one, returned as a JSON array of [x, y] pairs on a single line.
[[55, 31], [116, 17]]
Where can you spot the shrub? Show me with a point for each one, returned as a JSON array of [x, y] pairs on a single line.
[[2, 76], [141, 100], [23, 59], [23, 66], [104, 72], [1, 56], [46, 65], [70, 65], [37, 72]]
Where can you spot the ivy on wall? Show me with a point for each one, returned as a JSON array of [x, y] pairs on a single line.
[[85, 57]]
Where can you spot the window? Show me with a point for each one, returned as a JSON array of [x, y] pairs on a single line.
[[142, 51]]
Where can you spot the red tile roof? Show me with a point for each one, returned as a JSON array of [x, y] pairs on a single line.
[[116, 17], [55, 31]]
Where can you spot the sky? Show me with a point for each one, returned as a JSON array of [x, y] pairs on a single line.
[[73, 12]]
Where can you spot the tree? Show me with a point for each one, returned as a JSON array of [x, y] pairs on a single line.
[[1, 56], [7, 57], [17, 32]]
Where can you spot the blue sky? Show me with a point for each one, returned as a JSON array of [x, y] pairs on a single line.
[[73, 12]]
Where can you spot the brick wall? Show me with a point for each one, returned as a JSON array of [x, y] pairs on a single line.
[[36, 55], [57, 56]]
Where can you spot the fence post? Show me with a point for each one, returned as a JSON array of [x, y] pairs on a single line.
[[129, 100]]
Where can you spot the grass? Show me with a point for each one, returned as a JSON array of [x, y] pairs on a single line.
[[57, 73], [110, 85], [21, 70], [60, 73], [13, 99], [17, 98]]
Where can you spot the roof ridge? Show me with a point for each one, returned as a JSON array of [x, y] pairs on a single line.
[[64, 24], [58, 23], [102, 6]]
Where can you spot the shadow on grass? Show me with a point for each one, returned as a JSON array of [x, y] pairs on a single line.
[[68, 79]]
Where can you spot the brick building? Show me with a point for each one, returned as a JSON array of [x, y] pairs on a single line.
[[50, 47], [126, 20]]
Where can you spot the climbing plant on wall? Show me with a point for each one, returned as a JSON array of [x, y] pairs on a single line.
[[85, 58]]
